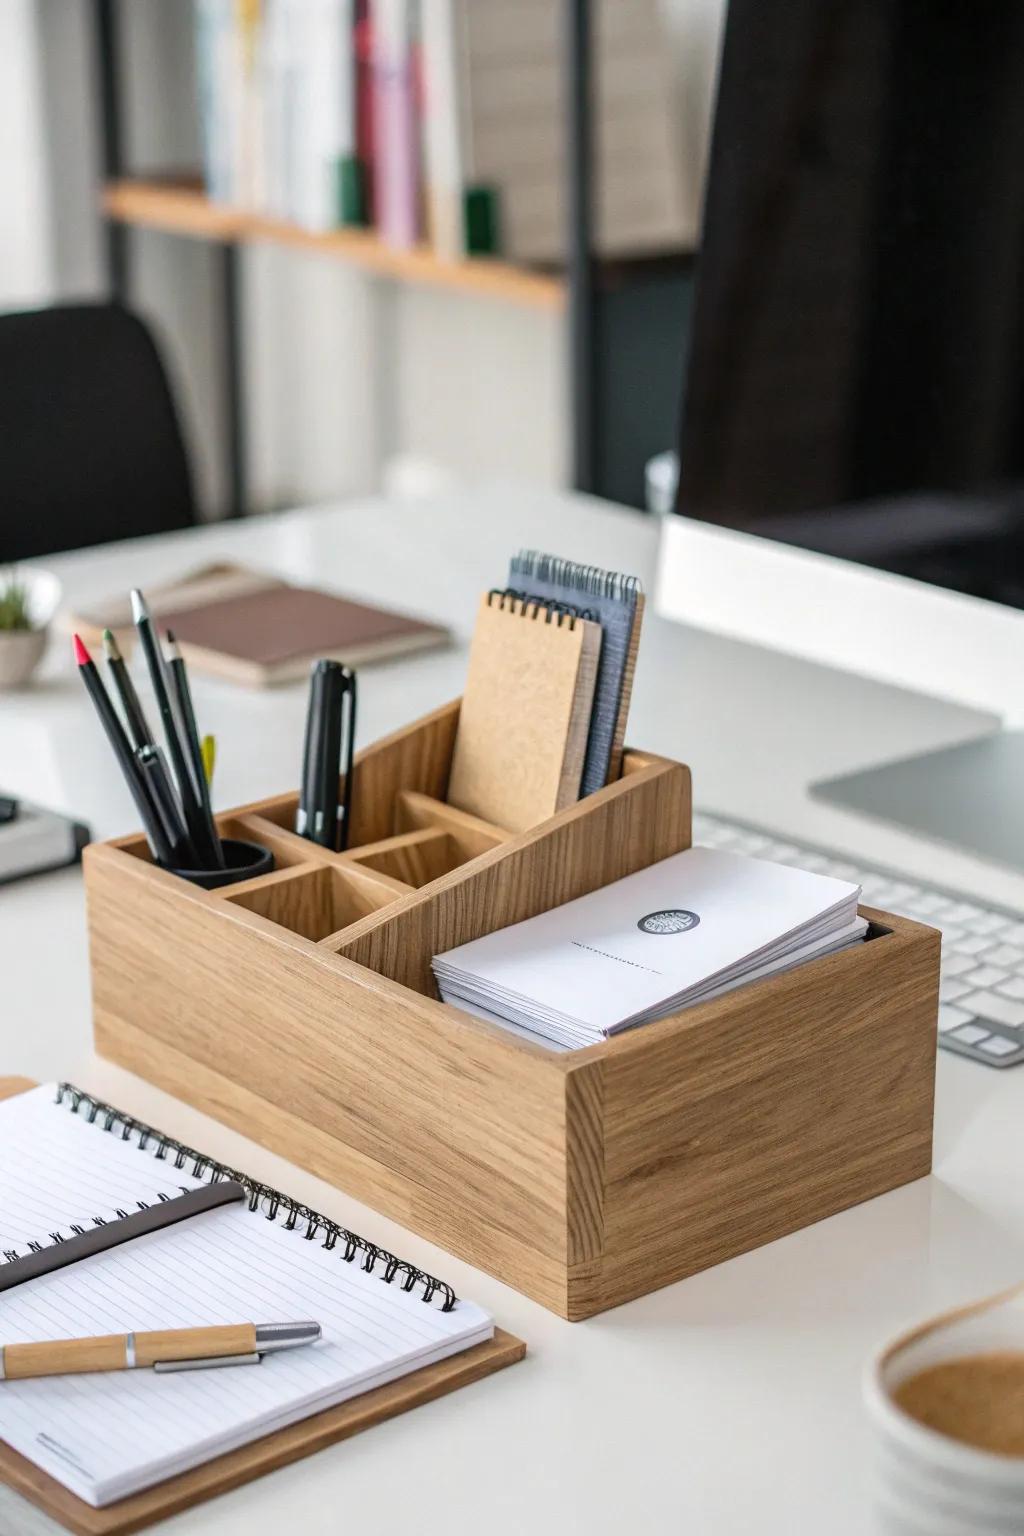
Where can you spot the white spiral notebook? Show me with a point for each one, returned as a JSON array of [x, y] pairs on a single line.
[[68, 1161]]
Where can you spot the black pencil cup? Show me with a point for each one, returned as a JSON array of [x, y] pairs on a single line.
[[243, 860]]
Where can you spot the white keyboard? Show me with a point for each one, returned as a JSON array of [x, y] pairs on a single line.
[[981, 993]]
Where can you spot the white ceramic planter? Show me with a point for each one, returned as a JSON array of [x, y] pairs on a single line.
[[21, 650]]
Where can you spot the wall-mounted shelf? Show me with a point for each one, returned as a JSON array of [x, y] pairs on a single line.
[[179, 206]]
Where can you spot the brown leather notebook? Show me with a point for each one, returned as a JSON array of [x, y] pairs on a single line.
[[258, 630]]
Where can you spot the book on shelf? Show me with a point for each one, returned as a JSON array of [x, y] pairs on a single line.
[[439, 119]]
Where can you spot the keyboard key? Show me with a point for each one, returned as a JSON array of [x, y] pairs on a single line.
[[1001, 1010], [970, 1034], [973, 944], [1013, 988], [987, 923], [998, 1045], [935, 906], [986, 975], [950, 1017], [964, 911], [952, 934], [1012, 933], [909, 909], [902, 891], [956, 965], [949, 991], [1005, 954]]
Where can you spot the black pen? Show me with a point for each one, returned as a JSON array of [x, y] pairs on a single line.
[[159, 847], [312, 755], [159, 676], [139, 732], [158, 781], [179, 676], [329, 740], [345, 828]]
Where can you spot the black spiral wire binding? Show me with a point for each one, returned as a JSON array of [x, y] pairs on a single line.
[[298, 1217], [75, 1229], [553, 610], [533, 565]]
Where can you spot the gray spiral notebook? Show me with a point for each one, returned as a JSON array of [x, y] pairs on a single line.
[[617, 603]]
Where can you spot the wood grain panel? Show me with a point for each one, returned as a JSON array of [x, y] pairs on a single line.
[[413, 857], [473, 836], [314, 900], [748, 1117]]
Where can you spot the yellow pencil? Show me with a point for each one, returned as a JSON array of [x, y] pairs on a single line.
[[208, 749]]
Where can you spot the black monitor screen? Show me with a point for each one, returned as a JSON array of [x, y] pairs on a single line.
[[855, 381]]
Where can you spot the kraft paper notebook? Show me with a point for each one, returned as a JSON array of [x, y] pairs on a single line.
[[525, 714], [113, 1451]]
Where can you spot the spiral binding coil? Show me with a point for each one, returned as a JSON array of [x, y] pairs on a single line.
[[261, 1196], [533, 607], [533, 565], [76, 1230]]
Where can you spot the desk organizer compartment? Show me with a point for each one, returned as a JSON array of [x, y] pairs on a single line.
[[299, 1007]]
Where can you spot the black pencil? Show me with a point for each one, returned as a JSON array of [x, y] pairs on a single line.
[[194, 821], [158, 844], [139, 733], [179, 676]]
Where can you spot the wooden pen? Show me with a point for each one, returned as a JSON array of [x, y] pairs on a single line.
[[168, 1349]]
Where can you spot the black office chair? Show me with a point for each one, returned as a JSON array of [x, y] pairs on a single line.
[[91, 447]]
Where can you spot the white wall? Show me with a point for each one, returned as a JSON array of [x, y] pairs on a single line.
[[343, 371], [26, 275]]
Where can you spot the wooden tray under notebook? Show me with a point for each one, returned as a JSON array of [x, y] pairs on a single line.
[[253, 1460]]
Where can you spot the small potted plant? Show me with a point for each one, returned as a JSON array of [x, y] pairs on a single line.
[[28, 600]]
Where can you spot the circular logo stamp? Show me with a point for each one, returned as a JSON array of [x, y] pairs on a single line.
[[672, 921]]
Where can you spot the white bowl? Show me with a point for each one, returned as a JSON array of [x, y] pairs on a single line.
[[927, 1484]]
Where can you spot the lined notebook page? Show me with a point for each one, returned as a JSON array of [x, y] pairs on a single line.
[[105, 1436], [58, 1170]]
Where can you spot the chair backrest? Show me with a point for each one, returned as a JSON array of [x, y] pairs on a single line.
[[91, 448]]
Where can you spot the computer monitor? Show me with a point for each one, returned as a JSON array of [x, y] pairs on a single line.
[[851, 482]]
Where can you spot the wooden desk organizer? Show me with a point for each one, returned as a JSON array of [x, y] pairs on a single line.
[[299, 1007]]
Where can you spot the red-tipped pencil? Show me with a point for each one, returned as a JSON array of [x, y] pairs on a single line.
[[158, 845]]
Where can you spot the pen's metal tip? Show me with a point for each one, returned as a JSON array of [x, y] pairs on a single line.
[[271, 1336], [139, 609]]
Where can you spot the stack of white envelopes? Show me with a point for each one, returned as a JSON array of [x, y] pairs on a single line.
[[679, 932]]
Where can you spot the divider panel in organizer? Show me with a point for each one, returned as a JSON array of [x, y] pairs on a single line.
[[473, 835], [415, 858], [314, 900]]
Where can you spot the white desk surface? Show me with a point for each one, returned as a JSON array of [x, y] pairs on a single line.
[[726, 1404]]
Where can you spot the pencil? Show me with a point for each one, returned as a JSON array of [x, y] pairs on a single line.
[[139, 733], [179, 676], [195, 822], [158, 844]]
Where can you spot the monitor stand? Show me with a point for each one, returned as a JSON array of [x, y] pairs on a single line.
[[970, 796]]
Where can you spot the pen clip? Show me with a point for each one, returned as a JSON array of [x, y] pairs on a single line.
[[207, 1363]]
